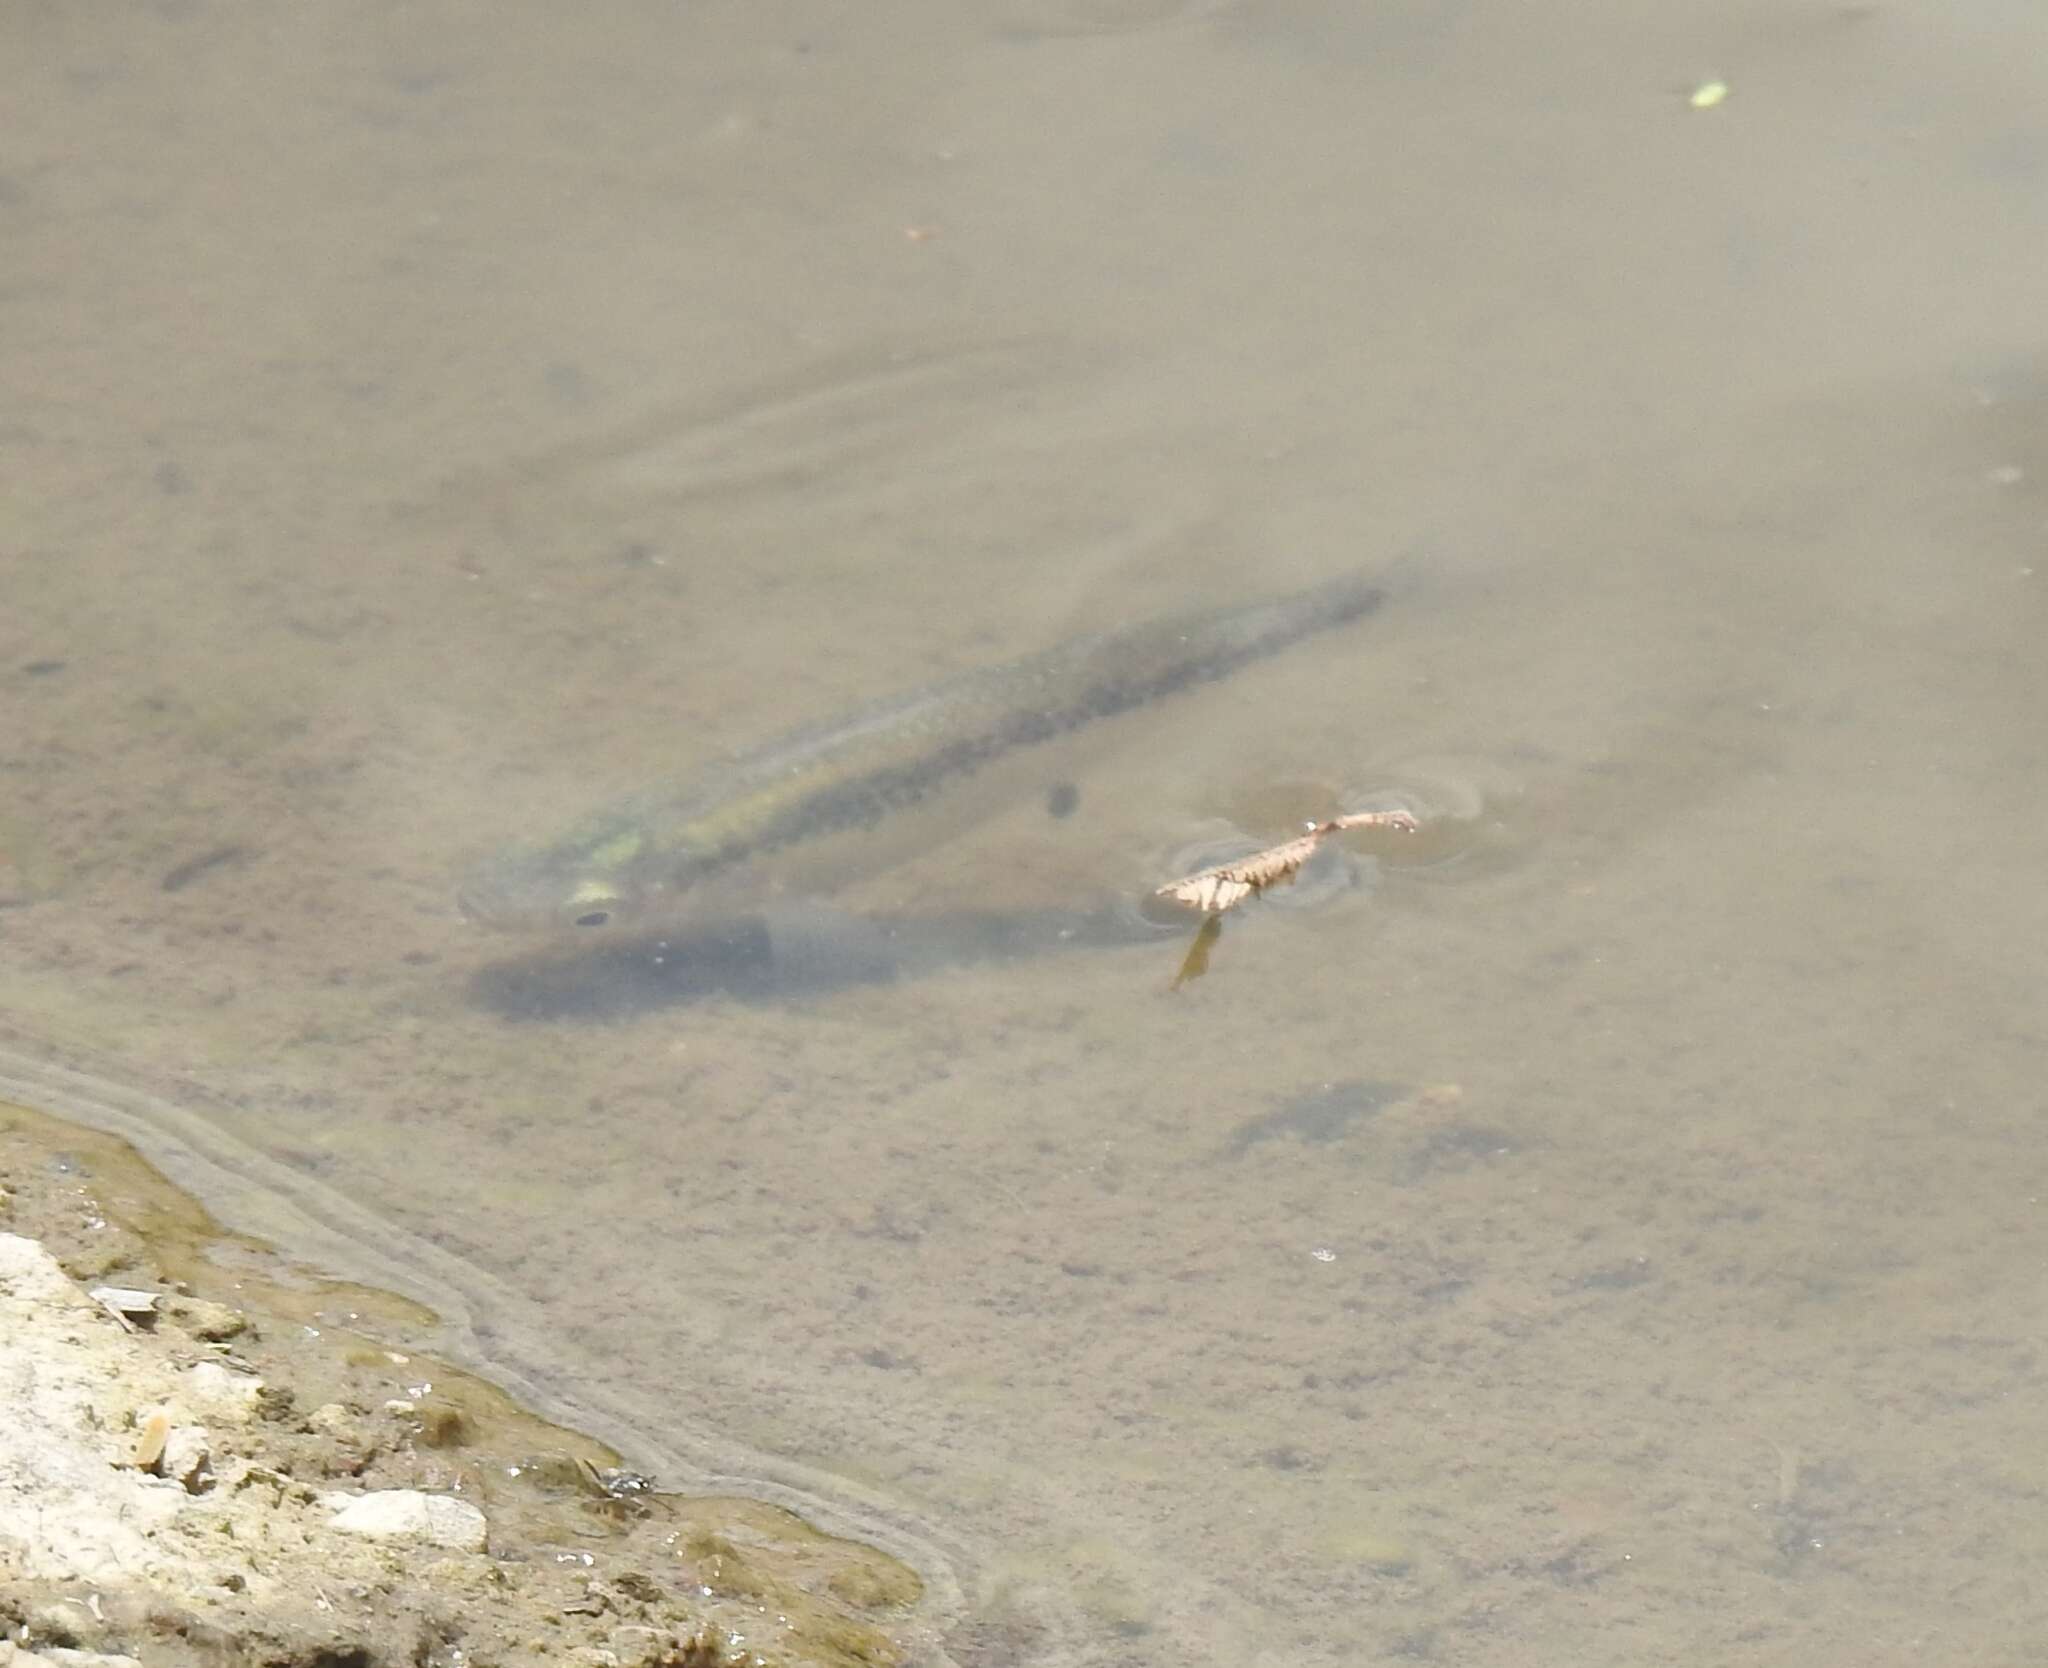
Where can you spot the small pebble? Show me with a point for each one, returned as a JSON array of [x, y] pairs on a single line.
[[187, 1460]]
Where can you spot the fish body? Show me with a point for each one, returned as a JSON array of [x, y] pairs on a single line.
[[813, 810]]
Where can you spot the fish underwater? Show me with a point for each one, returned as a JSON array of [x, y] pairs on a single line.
[[820, 807]]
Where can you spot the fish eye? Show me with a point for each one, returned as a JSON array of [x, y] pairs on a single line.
[[594, 901]]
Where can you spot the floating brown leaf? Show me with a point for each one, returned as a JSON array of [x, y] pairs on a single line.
[[1215, 890]]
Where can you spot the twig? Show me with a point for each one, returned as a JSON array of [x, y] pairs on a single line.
[[1228, 884]]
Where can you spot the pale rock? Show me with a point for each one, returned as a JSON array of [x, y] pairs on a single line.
[[407, 1514], [221, 1394], [31, 1275], [206, 1320], [68, 1512], [332, 1419], [187, 1459]]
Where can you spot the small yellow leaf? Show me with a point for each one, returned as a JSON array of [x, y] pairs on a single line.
[[1196, 962]]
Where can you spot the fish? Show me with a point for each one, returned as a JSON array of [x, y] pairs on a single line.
[[814, 809]]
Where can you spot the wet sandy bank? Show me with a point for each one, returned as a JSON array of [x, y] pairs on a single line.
[[213, 1455]]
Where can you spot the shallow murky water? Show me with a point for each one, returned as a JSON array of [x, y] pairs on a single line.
[[1621, 1243]]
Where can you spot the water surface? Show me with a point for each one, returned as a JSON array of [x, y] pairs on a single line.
[[424, 425]]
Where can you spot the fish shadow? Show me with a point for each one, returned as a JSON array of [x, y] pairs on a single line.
[[782, 956]]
